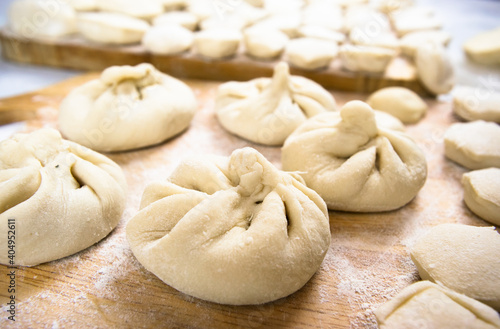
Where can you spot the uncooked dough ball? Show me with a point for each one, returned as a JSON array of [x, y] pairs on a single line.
[[428, 305], [411, 41], [217, 43], [267, 110], [111, 28], [401, 102], [365, 59], [354, 163], [264, 43], [311, 53], [474, 145], [463, 258], [434, 68], [484, 48], [182, 18], [231, 230], [482, 193], [473, 103], [41, 18], [413, 19], [61, 196], [167, 39], [128, 107]]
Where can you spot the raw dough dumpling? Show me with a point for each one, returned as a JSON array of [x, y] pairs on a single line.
[[428, 305], [111, 28], [311, 53], [411, 41], [128, 107], [463, 258], [484, 48], [474, 145], [25, 18], [482, 193], [167, 39], [287, 23], [182, 18], [472, 103], [267, 110], [354, 163], [264, 43], [365, 59], [62, 196], [231, 230], [144, 9], [217, 43], [434, 68], [401, 102]]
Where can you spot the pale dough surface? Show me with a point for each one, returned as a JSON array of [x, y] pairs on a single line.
[[434, 68], [264, 43], [474, 145], [231, 230], [411, 41], [365, 59], [217, 43], [267, 111], [128, 107], [24, 16], [484, 48], [400, 102], [111, 28], [182, 18], [473, 103], [428, 305], [311, 53], [463, 258], [146, 9], [322, 33], [482, 193], [64, 197], [167, 39], [354, 162]]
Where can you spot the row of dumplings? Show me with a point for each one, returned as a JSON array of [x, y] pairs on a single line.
[[224, 229], [365, 35], [233, 230]]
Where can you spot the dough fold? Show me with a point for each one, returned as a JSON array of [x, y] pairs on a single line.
[[62, 196], [266, 111], [355, 163], [231, 230], [128, 107]]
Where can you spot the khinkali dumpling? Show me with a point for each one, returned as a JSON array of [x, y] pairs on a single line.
[[128, 107], [267, 110], [61, 197], [355, 163], [231, 230]]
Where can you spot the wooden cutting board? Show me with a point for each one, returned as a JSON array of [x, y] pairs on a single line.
[[76, 53], [104, 286]]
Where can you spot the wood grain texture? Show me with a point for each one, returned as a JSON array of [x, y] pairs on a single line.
[[104, 286], [76, 53]]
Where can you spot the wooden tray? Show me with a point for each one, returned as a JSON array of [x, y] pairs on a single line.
[[367, 264], [77, 53]]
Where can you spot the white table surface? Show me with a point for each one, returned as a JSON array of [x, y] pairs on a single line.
[[461, 18]]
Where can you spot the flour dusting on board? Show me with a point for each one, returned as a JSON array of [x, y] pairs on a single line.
[[368, 285]]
